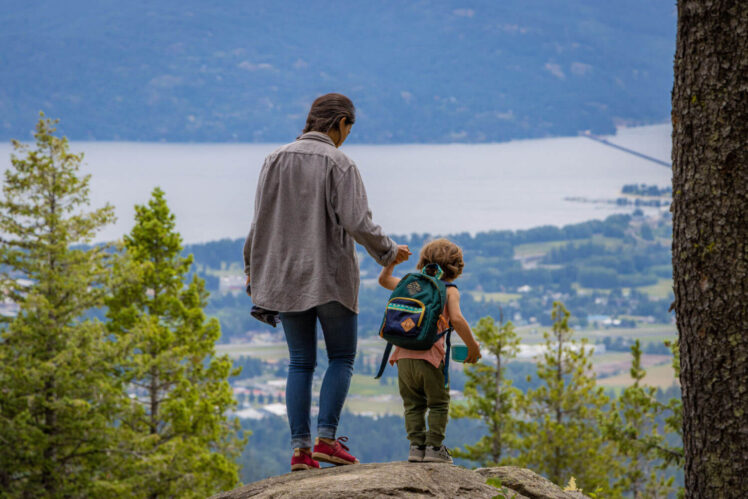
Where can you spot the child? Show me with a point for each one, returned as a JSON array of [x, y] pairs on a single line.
[[419, 372]]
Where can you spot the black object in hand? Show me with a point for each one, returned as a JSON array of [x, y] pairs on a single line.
[[263, 315]]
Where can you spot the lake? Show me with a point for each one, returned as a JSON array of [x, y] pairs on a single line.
[[474, 187]]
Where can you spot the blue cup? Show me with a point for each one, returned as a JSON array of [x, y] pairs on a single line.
[[459, 353]]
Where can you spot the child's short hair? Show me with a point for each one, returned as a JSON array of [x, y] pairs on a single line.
[[444, 253]]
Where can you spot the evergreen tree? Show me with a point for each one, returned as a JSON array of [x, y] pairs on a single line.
[[633, 426], [58, 394], [710, 242], [489, 395], [177, 422], [558, 432]]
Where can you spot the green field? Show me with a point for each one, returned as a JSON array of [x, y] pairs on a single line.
[[367, 386], [661, 376], [646, 334], [530, 249], [385, 407], [663, 289], [265, 352]]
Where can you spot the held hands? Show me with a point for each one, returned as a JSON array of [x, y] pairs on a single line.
[[473, 353], [403, 253]]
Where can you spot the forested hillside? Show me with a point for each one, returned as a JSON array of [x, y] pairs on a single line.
[[248, 70], [617, 269]]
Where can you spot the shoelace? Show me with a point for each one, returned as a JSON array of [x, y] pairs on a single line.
[[340, 441]]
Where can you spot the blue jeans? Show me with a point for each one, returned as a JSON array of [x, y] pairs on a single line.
[[339, 326]]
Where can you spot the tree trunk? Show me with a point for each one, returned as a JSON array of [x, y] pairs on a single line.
[[710, 268], [498, 427]]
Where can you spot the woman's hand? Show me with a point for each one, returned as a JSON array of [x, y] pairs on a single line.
[[403, 253]]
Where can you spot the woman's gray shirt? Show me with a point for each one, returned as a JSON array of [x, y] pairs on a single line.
[[309, 208]]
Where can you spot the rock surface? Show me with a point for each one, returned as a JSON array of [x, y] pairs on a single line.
[[401, 479], [528, 483]]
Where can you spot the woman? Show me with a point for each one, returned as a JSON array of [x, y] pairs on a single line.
[[300, 256]]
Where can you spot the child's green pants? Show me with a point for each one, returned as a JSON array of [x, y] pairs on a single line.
[[422, 388]]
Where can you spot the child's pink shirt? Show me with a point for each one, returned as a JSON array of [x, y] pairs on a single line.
[[434, 355]]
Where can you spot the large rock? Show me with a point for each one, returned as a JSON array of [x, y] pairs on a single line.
[[528, 483], [401, 479]]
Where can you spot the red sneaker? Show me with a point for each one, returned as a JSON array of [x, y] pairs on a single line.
[[335, 453], [302, 460]]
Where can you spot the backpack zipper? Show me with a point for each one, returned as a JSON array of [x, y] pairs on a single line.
[[423, 307]]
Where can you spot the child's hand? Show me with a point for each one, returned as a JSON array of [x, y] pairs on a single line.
[[473, 353], [403, 253]]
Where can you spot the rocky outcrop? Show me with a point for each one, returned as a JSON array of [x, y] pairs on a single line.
[[528, 483], [402, 479]]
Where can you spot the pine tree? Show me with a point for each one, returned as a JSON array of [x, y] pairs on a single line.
[[489, 395], [58, 394], [177, 423], [558, 432], [710, 242], [640, 440]]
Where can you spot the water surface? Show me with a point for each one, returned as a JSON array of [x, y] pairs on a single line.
[[469, 187]]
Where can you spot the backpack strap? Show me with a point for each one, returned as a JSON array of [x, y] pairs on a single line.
[[448, 332], [385, 358]]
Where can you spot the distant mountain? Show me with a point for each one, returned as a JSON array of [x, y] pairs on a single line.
[[418, 71]]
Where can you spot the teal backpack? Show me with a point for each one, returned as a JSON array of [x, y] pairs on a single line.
[[412, 315]]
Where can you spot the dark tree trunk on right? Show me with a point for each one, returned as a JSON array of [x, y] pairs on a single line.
[[710, 236]]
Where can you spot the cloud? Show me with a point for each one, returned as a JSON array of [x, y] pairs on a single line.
[[165, 81], [580, 68], [407, 96], [513, 29], [463, 12], [555, 70], [506, 116], [249, 66]]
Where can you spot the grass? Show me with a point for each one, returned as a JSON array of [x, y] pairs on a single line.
[[661, 376], [367, 386], [529, 249], [646, 334], [608, 242], [387, 407], [368, 395], [264, 352], [610, 358], [662, 289]]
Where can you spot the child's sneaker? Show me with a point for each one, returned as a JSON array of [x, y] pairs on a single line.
[[302, 460], [416, 453], [437, 455], [333, 453]]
